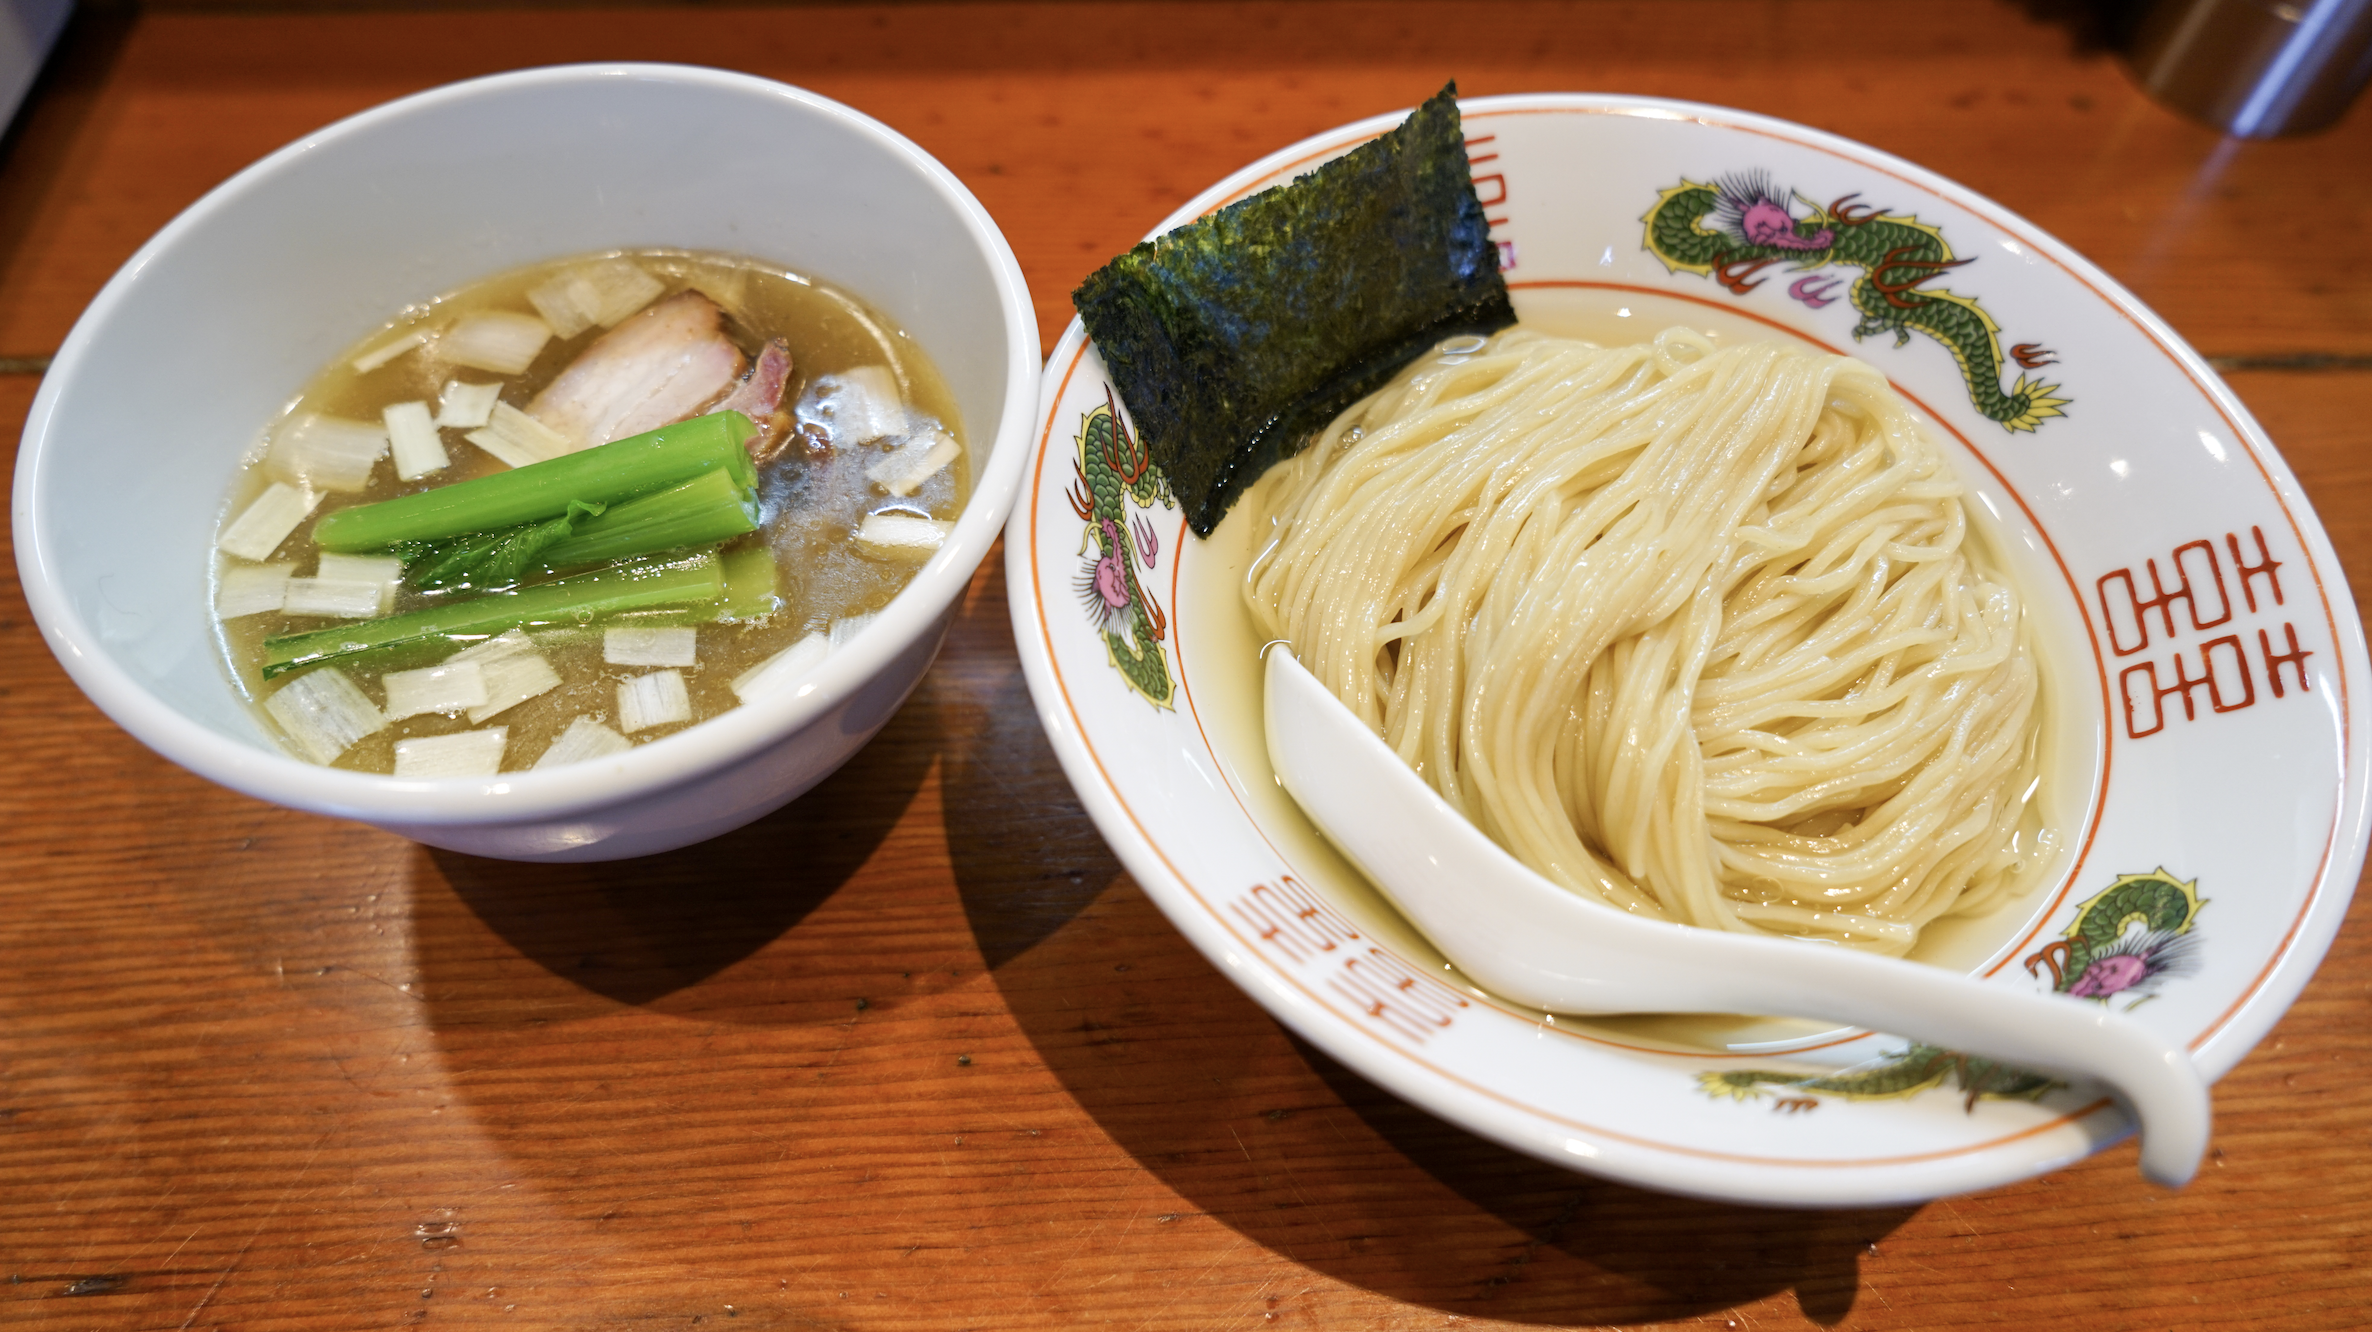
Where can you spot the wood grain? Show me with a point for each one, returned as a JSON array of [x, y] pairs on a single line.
[[915, 1052]]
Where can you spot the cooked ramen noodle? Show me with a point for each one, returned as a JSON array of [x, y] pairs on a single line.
[[1704, 633]]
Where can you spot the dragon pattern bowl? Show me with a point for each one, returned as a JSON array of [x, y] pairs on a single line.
[[2205, 667]]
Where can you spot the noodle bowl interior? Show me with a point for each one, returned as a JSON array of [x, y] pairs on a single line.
[[1709, 628]]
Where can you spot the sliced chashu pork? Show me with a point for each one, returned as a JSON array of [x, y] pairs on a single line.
[[657, 367], [759, 397]]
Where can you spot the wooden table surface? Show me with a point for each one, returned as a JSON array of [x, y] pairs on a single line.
[[915, 1052]]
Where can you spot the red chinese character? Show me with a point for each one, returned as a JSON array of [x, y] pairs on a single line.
[[2295, 658], [2264, 566]]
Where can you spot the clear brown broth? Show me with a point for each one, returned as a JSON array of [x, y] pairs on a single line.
[[813, 498]]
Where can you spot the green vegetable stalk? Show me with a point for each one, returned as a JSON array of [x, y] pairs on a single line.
[[749, 583], [707, 509], [703, 511], [543, 491], [751, 592], [682, 583], [491, 560]]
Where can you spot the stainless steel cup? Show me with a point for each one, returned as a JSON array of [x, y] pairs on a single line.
[[2256, 68]]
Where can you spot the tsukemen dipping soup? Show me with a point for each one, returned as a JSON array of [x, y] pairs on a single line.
[[576, 507]]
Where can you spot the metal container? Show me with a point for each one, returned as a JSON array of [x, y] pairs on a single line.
[[2256, 68], [28, 28]]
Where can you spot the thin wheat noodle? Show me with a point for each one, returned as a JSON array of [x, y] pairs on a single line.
[[1704, 633]]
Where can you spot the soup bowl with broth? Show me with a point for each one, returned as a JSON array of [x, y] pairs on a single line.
[[186, 367]]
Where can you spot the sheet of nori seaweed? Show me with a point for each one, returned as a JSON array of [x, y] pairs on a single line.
[[1235, 338]]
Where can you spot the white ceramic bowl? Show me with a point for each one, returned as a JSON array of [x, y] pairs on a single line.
[[2237, 808], [223, 316]]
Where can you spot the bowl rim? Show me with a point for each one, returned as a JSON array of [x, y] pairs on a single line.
[[528, 796], [1672, 1166]]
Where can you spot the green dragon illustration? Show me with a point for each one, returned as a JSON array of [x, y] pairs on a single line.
[[2125, 939], [1890, 1077], [1113, 468], [1752, 229]]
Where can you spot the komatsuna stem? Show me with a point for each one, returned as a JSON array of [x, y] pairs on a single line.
[[705, 510], [681, 583], [604, 474]]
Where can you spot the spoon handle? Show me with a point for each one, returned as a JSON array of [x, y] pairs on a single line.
[[2049, 1033], [1526, 939]]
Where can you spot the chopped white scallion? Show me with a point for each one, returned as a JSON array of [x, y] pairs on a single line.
[[918, 460], [388, 351], [346, 587], [863, 404], [251, 589], [466, 406], [656, 699], [564, 303], [412, 436], [336, 598], [266, 521], [583, 741], [385, 570], [366, 568], [782, 668], [602, 292], [514, 672], [461, 754], [325, 713], [455, 686], [502, 341], [844, 630], [626, 646], [729, 289], [623, 288], [519, 439], [902, 535], [326, 452]]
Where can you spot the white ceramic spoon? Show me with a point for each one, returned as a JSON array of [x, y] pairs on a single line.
[[1526, 939]]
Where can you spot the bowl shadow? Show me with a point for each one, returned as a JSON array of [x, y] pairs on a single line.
[[637, 931], [1273, 1138]]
